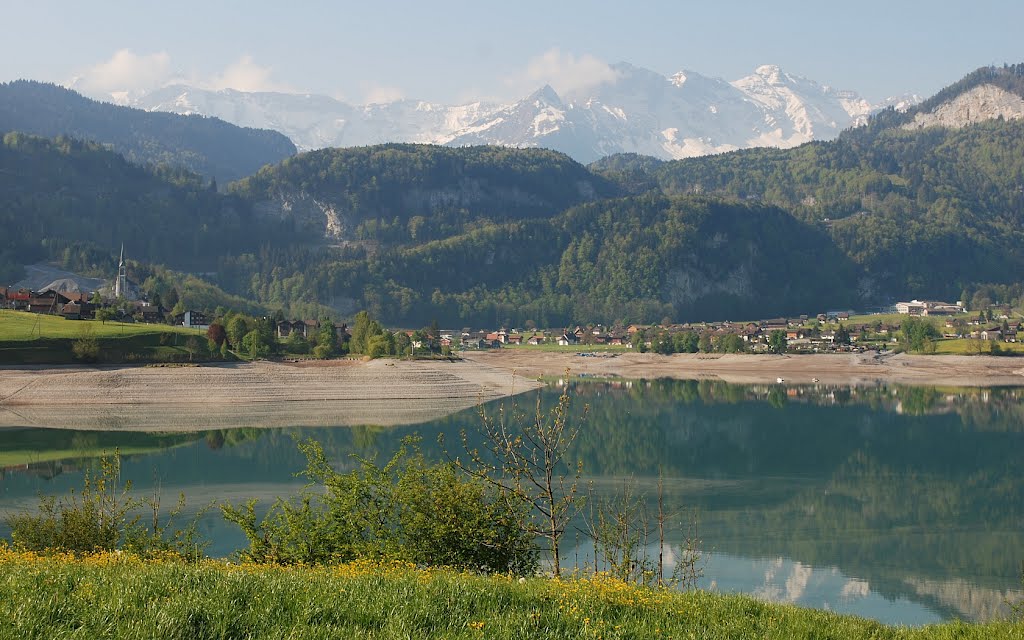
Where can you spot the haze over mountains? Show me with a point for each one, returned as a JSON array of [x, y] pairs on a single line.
[[637, 111]]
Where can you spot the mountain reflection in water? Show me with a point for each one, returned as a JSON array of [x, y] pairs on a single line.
[[899, 503]]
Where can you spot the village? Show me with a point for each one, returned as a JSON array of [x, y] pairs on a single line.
[[830, 331]]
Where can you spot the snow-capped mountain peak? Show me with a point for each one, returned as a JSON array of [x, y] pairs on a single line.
[[771, 73], [639, 110], [546, 96]]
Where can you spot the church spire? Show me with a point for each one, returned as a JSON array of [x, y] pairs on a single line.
[[121, 284]]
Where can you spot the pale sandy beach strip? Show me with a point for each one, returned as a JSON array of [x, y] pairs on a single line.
[[262, 394], [390, 392], [841, 369]]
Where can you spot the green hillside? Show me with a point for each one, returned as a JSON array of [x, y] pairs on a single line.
[[485, 236], [31, 338], [77, 202], [415, 193], [923, 213], [208, 146]]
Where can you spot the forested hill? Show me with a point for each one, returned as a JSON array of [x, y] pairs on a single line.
[[77, 202], [630, 259], [208, 146], [922, 212], [416, 193], [1009, 78], [487, 236]]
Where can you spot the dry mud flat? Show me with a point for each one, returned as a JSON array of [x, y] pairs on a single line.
[[845, 369], [389, 392], [263, 394]]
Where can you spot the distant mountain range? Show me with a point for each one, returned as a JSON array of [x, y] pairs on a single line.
[[640, 111]]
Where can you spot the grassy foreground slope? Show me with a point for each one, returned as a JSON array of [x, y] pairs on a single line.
[[32, 338], [21, 325], [111, 596]]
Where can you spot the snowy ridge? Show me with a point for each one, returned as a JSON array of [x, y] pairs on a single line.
[[683, 115]]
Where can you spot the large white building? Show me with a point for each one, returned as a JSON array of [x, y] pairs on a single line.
[[928, 307]]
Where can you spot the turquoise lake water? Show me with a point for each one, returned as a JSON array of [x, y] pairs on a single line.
[[901, 504]]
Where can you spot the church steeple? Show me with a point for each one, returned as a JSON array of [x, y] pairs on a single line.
[[121, 284]]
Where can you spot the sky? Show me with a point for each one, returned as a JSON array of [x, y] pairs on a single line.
[[441, 51]]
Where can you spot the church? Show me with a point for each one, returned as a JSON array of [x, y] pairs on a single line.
[[123, 288]]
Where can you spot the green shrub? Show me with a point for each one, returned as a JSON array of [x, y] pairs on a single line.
[[86, 348], [296, 343], [103, 516], [255, 345], [408, 510], [323, 351], [94, 519]]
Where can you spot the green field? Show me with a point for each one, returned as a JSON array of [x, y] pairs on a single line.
[[23, 326], [118, 596], [30, 338], [884, 318], [963, 346]]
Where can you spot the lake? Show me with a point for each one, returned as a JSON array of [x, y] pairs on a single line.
[[903, 504]]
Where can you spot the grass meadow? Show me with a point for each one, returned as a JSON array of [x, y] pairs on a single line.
[[23, 326], [32, 338], [120, 596]]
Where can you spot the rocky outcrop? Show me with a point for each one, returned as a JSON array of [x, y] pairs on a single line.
[[685, 287], [308, 212], [982, 103]]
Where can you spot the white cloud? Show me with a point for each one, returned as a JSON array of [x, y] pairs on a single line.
[[246, 75], [125, 71], [796, 583], [382, 95], [563, 71], [854, 589]]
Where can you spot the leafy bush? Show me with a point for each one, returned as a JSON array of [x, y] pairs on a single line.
[[255, 345], [296, 343], [322, 351], [407, 509], [86, 348], [103, 516], [920, 335]]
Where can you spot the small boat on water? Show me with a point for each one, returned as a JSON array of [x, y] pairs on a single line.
[[815, 380], [780, 380]]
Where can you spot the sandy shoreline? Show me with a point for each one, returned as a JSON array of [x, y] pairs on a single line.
[[842, 369], [264, 394], [390, 393]]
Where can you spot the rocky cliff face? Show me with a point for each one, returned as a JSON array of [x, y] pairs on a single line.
[[986, 102], [308, 212], [334, 220]]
